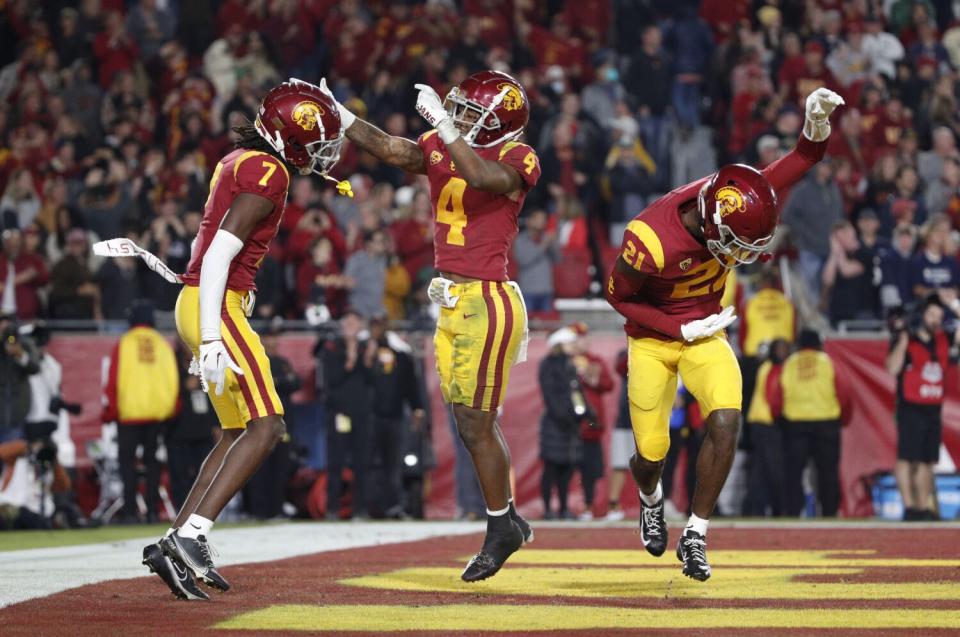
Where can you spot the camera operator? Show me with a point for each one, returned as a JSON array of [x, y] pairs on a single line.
[[919, 359], [18, 361], [29, 477]]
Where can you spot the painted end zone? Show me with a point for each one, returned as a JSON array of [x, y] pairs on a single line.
[[575, 581]]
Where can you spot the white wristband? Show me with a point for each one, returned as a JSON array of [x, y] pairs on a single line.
[[448, 131], [213, 281], [346, 117]]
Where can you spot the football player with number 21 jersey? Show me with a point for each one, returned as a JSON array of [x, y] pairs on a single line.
[[297, 126], [479, 176], [667, 282]]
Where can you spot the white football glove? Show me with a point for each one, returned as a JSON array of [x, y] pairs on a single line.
[[346, 117], [430, 107], [703, 328], [214, 362], [820, 104]]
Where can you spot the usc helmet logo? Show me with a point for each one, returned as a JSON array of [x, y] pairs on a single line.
[[305, 114], [729, 200], [513, 99]]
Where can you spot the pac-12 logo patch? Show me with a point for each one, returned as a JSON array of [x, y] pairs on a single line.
[[306, 113], [436, 157], [685, 264], [513, 99], [730, 200]]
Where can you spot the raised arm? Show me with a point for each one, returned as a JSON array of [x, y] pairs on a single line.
[[396, 151]]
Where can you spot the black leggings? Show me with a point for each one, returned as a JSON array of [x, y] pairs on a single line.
[[559, 475]]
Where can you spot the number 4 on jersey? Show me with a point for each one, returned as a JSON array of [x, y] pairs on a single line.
[[450, 210]]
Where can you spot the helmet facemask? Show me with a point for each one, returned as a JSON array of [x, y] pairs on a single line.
[[472, 117], [323, 154], [729, 249]]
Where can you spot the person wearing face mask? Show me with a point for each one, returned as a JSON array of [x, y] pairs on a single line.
[[601, 96], [765, 473]]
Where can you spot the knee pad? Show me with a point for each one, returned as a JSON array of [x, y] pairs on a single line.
[[653, 447]]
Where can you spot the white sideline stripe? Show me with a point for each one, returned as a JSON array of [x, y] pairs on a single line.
[[33, 573]]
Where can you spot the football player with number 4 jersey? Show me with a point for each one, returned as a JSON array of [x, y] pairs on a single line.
[[479, 176], [668, 282], [296, 126]]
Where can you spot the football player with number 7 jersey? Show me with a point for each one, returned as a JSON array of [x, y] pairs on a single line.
[[668, 282], [479, 176]]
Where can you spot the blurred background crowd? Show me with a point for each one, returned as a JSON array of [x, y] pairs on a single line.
[[113, 114]]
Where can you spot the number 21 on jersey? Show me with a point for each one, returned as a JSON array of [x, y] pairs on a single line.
[[450, 210]]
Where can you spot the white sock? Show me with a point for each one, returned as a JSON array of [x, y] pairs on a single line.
[[196, 526], [697, 524], [654, 497], [502, 511]]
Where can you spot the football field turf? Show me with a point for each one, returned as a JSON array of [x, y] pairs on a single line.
[[576, 580]]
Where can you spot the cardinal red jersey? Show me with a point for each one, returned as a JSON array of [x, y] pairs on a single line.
[[250, 171], [684, 280], [475, 229]]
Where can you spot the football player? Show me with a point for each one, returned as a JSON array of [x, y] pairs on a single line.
[[479, 176], [667, 282], [297, 126]]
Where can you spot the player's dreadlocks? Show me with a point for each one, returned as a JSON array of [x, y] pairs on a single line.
[[250, 139]]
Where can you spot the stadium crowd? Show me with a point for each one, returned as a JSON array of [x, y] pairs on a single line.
[[113, 114]]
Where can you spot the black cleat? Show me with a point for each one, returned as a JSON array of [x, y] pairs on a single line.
[[177, 578], [194, 554], [497, 547], [653, 528], [691, 550], [525, 527]]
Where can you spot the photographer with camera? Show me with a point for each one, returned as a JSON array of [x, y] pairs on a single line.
[[919, 359], [566, 412], [29, 478], [18, 361]]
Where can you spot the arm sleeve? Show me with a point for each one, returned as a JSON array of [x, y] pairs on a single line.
[[524, 160], [788, 170], [213, 281], [620, 289], [262, 174]]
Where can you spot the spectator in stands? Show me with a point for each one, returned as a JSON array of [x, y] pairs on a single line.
[[810, 211], [396, 285], [919, 358], [808, 398], [565, 411], [121, 277], [895, 287], [73, 293], [535, 252], [366, 272], [622, 445], [884, 49], [850, 61], [595, 380], [395, 391], [630, 175], [690, 44], [651, 67], [189, 436], [942, 195], [848, 277], [20, 197], [765, 490], [345, 368], [932, 269], [142, 395], [601, 96], [23, 275], [930, 163]]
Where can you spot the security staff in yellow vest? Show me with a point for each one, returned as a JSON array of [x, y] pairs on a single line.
[[767, 316], [142, 394], [765, 468], [809, 401]]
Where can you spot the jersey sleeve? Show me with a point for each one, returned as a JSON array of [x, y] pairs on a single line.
[[641, 248], [524, 160], [261, 174], [428, 143]]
